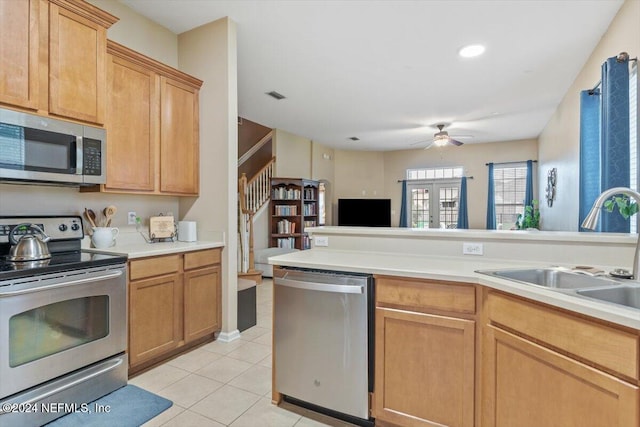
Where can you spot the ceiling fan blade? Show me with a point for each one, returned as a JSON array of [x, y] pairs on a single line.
[[420, 142], [428, 146], [454, 142]]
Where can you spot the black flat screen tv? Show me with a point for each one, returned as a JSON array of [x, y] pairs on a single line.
[[364, 212]]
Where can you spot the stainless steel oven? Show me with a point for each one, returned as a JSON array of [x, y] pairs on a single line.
[[62, 326], [41, 149]]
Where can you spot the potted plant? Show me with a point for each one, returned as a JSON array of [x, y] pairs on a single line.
[[530, 219], [623, 204]]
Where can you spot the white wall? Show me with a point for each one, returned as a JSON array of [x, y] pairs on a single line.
[[209, 53], [473, 157], [559, 143], [140, 33], [293, 155]]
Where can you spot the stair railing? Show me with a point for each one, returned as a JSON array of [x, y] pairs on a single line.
[[253, 194]]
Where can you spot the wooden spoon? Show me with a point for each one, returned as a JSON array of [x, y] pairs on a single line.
[[109, 212], [91, 216]]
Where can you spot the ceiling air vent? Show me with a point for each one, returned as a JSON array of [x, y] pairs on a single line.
[[354, 138], [276, 95]]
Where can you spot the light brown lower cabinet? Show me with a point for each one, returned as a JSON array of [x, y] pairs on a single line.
[[532, 386], [544, 367], [174, 301], [425, 362]]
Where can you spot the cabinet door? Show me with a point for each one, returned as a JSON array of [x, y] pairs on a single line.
[[77, 67], [202, 315], [19, 51], [132, 124], [527, 385], [155, 317], [424, 369], [179, 136]]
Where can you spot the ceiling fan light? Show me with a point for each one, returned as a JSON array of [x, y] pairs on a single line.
[[440, 140], [471, 51]]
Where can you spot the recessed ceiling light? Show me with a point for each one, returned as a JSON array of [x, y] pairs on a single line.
[[276, 95], [471, 51]]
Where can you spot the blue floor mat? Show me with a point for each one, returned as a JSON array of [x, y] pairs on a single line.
[[129, 406]]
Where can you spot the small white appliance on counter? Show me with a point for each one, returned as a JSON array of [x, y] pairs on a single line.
[[187, 231]]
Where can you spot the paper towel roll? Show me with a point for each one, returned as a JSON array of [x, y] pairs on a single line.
[[187, 231]]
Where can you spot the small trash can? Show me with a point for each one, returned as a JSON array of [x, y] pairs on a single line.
[[246, 304]]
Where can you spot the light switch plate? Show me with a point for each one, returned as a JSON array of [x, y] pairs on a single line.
[[472, 248], [321, 240]]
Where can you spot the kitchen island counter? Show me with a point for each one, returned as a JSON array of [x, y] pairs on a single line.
[[458, 269]]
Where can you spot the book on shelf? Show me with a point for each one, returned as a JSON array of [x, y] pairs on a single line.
[[285, 210], [286, 242], [286, 227], [310, 209], [310, 193], [284, 193]]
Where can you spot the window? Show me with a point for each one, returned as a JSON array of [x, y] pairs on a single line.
[[510, 187], [432, 197]]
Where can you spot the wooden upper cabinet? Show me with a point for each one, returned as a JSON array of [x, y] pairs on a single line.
[[132, 122], [152, 126], [179, 138], [24, 36], [77, 60]]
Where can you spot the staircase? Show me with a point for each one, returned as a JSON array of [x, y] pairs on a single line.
[[253, 194]]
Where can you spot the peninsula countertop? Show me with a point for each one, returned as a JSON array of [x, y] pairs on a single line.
[[457, 269]]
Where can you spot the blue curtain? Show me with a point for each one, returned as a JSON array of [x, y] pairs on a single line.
[[403, 205], [491, 201], [463, 216], [614, 136], [589, 186], [528, 191]]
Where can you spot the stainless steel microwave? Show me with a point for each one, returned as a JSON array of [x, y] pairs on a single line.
[[47, 150]]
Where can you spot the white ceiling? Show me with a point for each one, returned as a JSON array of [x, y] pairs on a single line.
[[388, 71]]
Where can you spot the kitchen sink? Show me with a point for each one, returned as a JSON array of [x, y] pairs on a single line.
[[551, 278], [623, 295]]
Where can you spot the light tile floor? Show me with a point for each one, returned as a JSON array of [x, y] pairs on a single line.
[[227, 384]]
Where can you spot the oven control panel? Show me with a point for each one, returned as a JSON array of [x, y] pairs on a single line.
[[56, 227]]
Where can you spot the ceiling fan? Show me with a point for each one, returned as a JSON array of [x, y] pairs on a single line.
[[442, 138]]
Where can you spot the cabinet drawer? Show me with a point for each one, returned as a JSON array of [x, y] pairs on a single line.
[[155, 266], [426, 294], [201, 258], [610, 348]]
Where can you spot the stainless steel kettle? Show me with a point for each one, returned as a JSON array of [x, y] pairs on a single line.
[[29, 247]]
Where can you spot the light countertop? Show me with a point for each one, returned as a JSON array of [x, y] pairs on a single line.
[[133, 245], [461, 269]]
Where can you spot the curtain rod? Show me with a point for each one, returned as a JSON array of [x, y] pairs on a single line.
[[511, 163], [400, 180]]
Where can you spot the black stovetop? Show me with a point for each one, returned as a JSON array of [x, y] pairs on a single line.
[[66, 234], [63, 261]]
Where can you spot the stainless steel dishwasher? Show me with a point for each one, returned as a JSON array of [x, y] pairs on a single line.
[[323, 341]]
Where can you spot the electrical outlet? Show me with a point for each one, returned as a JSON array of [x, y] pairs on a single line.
[[472, 248], [131, 218], [321, 240]]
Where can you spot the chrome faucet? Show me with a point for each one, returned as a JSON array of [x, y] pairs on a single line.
[[591, 221]]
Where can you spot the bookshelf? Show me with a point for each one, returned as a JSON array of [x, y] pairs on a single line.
[[294, 207]]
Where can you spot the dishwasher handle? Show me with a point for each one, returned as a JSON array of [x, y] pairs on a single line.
[[322, 287]]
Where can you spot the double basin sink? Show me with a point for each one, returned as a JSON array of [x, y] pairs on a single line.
[[605, 289]]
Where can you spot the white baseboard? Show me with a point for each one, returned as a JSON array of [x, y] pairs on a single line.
[[228, 336]]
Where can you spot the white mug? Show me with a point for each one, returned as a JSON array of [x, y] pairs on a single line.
[[104, 237]]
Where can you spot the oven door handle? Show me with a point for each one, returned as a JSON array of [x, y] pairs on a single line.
[[322, 287], [63, 284]]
